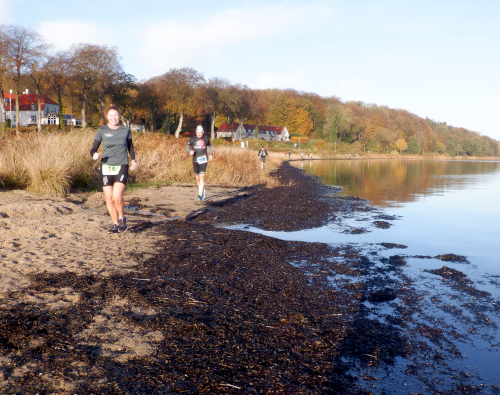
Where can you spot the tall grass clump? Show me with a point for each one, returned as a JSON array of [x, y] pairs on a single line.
[[12, 171], [46, 163]]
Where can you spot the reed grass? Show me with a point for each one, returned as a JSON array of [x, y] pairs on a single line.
[[54, 163]]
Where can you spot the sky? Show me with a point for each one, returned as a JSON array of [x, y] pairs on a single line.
[[434, 58]]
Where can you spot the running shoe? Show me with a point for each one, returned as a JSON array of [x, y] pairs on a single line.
[[122, 225], [203, 195], [114, 229], [200, 197]]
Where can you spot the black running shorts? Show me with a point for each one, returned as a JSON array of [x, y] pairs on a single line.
[[199, 168], [110, 178]]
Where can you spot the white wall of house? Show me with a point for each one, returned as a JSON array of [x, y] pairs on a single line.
[[28, 116], [267, 133], [285, 136], [137, 128], [68, 120]]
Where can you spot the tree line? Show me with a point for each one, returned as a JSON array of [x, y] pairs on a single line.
[[88, 77]]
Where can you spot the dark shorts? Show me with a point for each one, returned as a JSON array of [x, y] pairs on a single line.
[[263, 158], [199, 168], [109, 179]]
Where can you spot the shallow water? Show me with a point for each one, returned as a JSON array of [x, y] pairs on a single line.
[[443, 207], [434, 208]]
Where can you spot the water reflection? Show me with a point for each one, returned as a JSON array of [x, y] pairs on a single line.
[[387, 183]]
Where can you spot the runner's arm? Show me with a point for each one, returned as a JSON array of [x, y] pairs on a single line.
[[94, 148], [131, 149]]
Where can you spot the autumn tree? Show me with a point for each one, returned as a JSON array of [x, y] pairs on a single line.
[[400, 145], [385, 136], [374, 120], [339, 122], [232, 102], [3, 73], [123, 92], [213, 99], [315, 107], [22, 47], [148, 101], [39, 76], [248, 104], [58, 69], [284, 112], [93, 65], [182, 89]]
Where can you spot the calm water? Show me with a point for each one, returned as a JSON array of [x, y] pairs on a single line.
[[439, 207], [443, 206]]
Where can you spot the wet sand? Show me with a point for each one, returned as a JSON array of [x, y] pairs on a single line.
[[185, 306]]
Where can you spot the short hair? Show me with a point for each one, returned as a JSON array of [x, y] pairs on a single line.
[[113, 107], [199, 128]]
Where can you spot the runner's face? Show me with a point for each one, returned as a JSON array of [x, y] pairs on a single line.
[[199, 133], [113, 118]]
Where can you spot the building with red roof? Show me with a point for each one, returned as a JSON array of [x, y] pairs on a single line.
[[28, 107], [247, 131], [28, 110]]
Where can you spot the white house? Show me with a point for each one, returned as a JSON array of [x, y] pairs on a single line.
[[68, 120], [247, 131], [137, 125], [28, 110], [227, 130]]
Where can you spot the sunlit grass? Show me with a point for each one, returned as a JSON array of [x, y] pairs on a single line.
[[57, 162]]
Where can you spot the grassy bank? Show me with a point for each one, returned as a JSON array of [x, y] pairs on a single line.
[[57, 162]]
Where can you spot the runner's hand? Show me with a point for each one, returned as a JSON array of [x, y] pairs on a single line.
[[211, 157], [191, 152], [96, 156], [134, 165]]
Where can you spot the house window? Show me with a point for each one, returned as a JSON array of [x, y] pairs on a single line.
[[33, 118], [33, 106], [52, 119]]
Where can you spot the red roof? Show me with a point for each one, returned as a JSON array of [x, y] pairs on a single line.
[[26, 101], [228, 127], [231, 127]]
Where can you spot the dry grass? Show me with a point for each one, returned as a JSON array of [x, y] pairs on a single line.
[[46, 163], [54, 163], [165, 160]]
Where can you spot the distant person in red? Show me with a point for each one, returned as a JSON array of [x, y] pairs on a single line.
[[263, 157], [197, 148]]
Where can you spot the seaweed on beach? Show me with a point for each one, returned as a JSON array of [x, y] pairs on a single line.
[[220, 311], [458, 280]]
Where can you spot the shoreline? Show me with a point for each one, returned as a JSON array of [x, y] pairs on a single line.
[[183, 306]]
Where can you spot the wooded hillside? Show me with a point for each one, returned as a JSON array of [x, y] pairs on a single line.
[[88, 77]]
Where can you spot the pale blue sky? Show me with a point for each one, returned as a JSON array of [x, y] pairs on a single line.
[[434, 58]]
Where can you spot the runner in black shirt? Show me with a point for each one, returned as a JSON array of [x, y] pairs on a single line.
[[197, 148], [113, 172]]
